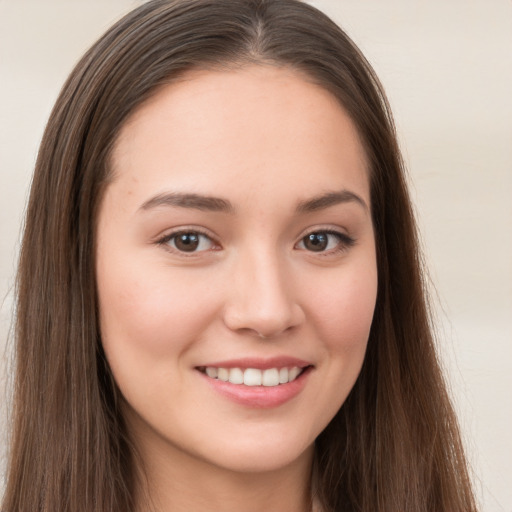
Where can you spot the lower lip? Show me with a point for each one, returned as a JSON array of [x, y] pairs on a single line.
[[260, 397]]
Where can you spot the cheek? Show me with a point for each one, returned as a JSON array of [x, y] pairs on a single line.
[[344, 309], [150, 311], [341, 308]]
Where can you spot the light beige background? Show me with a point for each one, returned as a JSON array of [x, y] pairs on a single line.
[[447, 67]]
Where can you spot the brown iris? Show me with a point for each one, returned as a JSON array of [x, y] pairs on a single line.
[[316, 242], [186, 242]]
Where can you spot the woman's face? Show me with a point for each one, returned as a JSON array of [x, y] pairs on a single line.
[[236, 267]]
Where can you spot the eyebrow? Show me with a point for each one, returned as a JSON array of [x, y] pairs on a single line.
[[217, 204], [194, 201], [330, 199]]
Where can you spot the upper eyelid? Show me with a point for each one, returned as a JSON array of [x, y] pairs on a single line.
[[167, 235], [340, 234], [327, 228]]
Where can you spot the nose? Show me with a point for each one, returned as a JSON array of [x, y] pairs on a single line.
[[262, 300]]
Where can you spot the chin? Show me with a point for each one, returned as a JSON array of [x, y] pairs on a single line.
[[258, 452], [270, 459]]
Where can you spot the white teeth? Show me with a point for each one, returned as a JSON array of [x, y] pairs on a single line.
[[236, 376], [270, 377], [293, 373], [253, 376], [223, 374], [211, 372]]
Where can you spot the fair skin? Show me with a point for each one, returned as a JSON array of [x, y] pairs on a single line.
[[235, 235]]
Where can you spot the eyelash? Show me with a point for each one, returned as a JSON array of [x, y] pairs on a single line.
[[164, 241], [345, 242]]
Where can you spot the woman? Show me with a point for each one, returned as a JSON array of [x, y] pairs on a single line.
[[220, 300]]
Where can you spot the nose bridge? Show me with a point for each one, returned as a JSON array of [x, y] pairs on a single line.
[[262, 299]]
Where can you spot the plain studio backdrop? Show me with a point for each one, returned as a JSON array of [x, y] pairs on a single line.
[[447, 69]]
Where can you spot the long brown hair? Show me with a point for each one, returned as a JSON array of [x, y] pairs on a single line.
[[393, 446]]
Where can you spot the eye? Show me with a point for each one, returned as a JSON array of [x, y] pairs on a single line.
[[325, 241], [188, 241]]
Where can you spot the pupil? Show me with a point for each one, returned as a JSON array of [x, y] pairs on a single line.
[[316, 242], [187, 242]]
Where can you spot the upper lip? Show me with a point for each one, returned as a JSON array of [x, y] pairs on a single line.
[[259, 363]]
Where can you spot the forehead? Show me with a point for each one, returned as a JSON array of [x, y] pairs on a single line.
[[259, 127]]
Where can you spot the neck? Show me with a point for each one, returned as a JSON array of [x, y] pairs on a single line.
[[175, 482]]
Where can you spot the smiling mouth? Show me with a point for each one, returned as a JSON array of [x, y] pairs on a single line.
[[270, 377]]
